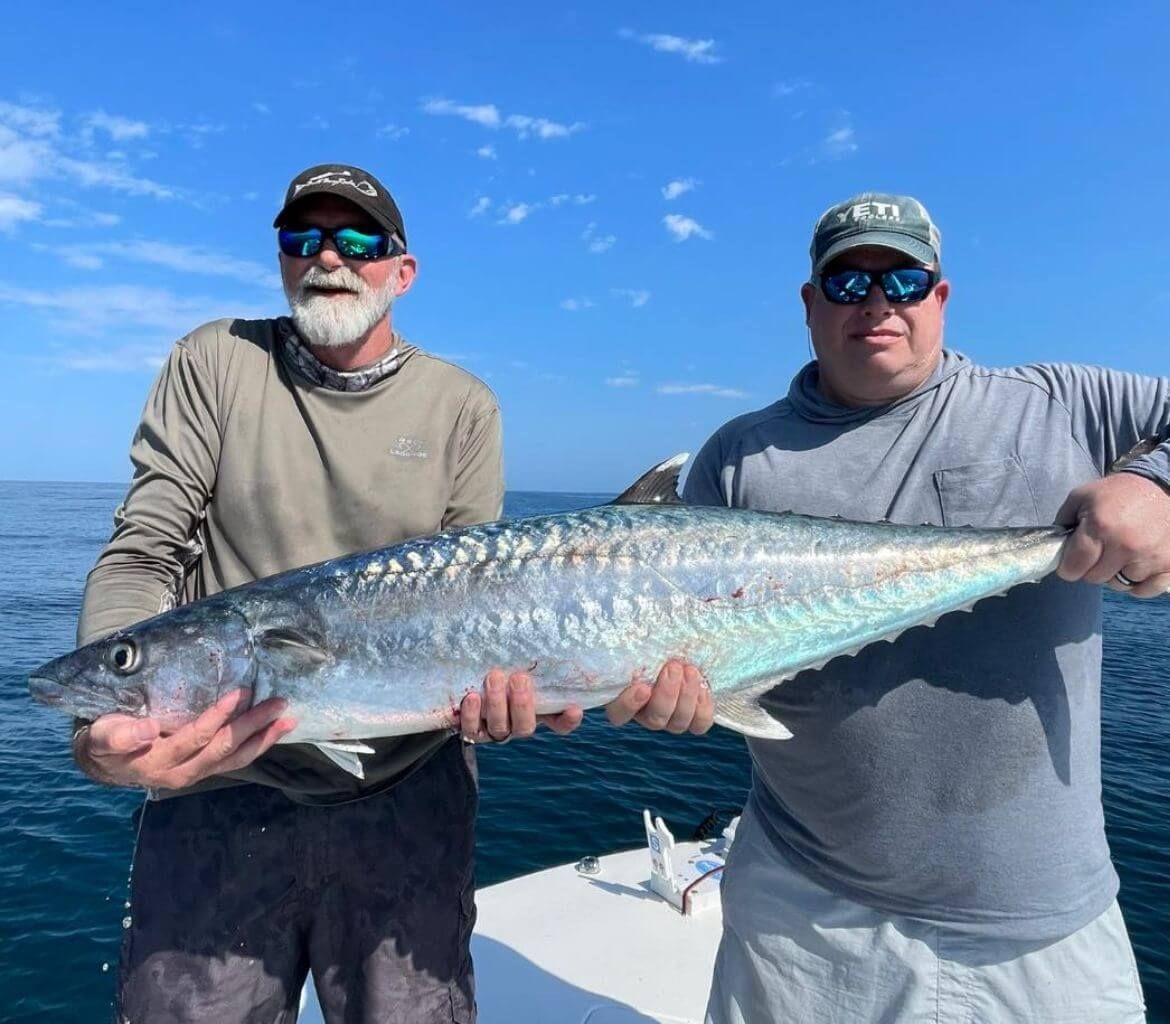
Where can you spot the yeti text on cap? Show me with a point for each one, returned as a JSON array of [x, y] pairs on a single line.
[[870, 211]]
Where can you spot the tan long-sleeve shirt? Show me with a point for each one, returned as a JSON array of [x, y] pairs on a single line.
[[244, 468]]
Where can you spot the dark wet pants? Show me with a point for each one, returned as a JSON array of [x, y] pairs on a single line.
[[237, 893]]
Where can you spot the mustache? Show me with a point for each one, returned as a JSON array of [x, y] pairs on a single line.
[[340, 280]]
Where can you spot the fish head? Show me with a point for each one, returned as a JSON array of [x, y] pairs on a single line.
[[172, 667]]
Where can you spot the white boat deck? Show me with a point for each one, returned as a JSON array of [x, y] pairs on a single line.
[[563, 946]]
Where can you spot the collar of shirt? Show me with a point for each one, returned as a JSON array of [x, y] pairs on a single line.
[[301, 357]]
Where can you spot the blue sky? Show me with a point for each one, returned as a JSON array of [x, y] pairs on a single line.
[[610, 203]]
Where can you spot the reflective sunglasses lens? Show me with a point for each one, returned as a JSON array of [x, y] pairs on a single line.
[[299, 243], [849, 286], [357, 245], [909, 284]]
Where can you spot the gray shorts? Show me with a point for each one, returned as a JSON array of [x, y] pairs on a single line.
[[237, 893], [794, 952]]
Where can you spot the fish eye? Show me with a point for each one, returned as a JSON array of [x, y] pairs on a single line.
[[123, 657]]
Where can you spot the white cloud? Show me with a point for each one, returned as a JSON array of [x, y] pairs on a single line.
[[182, 258], [196, 134], [115, 126], [487, 152], [541, 127], [82, 218], [33, 149], [784, 89], [576, 305], [700, 389], [486, 114], [393, 132], [515, 214], [127, 359], [80, 258], [628, 379], [838, 144], [93, 174], [685, 227], [638, 297], [678, 187], [578, 200], [22, 158], [13, 210], [40, 123], [595, 243], [481, 206], [119, 308], [261, 108], [697, 51]]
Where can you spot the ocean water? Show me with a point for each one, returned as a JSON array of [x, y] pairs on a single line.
[[65, 844]]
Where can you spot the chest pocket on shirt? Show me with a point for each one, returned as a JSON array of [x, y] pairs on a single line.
[[994, 493]]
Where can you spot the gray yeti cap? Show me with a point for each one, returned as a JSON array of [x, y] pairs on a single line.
[[876, 218]]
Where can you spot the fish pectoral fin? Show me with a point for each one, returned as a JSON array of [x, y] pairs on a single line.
[[743, 712], [658, 486], [292, 645], [344, 754]]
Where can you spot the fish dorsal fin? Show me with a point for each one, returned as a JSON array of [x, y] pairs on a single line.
[[1136, 452], [657, 487]]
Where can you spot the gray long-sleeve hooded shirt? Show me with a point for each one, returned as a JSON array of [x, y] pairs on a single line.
[[953, 775]]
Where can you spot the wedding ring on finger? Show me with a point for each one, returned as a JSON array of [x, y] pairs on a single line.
[[1124, 580]]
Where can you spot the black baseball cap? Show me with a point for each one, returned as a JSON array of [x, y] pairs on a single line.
[[350, 183]]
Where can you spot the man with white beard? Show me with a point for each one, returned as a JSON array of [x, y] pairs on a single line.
[[265, 445]]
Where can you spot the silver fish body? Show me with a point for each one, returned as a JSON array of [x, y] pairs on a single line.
[[388, 642]]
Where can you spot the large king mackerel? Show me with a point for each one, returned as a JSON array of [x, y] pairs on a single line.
[[388, 642]]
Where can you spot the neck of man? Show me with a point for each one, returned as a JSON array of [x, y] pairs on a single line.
[[868, 395], [366, 350]]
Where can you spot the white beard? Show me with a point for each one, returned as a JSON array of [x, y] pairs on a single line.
[[330, 322]]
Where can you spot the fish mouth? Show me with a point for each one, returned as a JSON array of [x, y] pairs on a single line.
[[80, 702], [47, 690]]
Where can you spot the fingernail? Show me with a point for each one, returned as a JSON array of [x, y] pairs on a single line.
[[494, 684], [520, 684], [144, 732]]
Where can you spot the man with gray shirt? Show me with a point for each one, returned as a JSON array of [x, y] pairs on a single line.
[[930, 844], [266, 445]]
